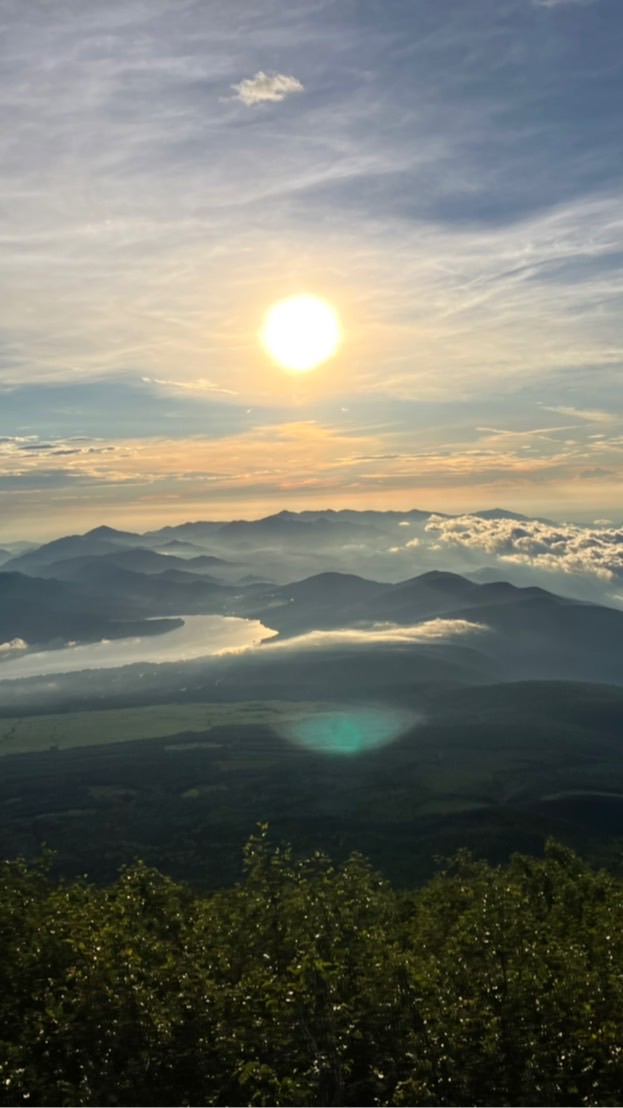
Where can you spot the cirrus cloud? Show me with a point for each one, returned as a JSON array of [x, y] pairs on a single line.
[[560, 3]]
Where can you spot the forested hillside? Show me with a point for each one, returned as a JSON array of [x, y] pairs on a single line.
[[313, 984]]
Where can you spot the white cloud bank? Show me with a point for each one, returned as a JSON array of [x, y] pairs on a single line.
[[266, 86], [13, 646], [564, 547]]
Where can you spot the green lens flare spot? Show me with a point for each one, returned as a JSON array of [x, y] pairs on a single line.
[[349, 731]]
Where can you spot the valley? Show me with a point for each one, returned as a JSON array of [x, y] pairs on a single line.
[[403, 718]]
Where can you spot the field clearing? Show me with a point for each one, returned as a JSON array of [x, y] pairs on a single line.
[[463, 768], [64, 731], [33, 734]]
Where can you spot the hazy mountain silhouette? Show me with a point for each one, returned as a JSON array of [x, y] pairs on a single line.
[[533, 632], [341, 600], [178, 546], [289, 528], [501, 513], [136, 559], [44, 612], [71, 546], [101, 582], [113, 535], [109, 575]]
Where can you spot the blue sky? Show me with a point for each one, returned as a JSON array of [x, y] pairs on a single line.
[[448, 174]]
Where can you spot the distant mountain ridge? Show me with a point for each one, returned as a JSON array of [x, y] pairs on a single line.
[[533, 633], [138, 559], [76, 586], [44, 612], [292, 528]]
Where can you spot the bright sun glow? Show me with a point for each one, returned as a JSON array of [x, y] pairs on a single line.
[[301, 332]]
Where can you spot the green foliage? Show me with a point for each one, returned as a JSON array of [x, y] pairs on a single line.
[[314, 984]]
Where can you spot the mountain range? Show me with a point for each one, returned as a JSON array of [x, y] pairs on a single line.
[[510, 689], [318, 529], [109, 583]]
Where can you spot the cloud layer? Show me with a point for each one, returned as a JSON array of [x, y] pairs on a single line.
[[564, 548]]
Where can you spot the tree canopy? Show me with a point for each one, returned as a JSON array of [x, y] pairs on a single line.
[[314, 984]]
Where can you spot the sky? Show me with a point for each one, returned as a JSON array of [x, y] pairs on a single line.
[[447, 174]]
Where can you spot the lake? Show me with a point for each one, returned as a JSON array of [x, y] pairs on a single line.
[[201, 636]]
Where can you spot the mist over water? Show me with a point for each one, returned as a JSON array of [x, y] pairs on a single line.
[[349, 731], [201, 636]]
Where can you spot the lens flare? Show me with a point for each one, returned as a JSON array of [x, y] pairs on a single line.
[[349, 731]]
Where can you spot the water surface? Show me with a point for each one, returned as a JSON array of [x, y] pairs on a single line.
[[200, 636]]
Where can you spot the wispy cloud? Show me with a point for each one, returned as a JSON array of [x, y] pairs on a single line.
[[199, 385], [250, 459], [472, 243], [418, 270], [23, 449], [560, 3], [591, 415], [266, 86]]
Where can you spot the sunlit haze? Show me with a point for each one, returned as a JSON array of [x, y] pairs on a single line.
[[311, 552], [444, 177]]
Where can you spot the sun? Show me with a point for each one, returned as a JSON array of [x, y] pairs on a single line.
[[301, 332]]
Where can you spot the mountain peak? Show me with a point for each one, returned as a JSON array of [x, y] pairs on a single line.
[[499, 513], [104, 532]]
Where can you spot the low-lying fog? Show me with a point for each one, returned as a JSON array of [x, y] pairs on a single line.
[[200, 637]]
